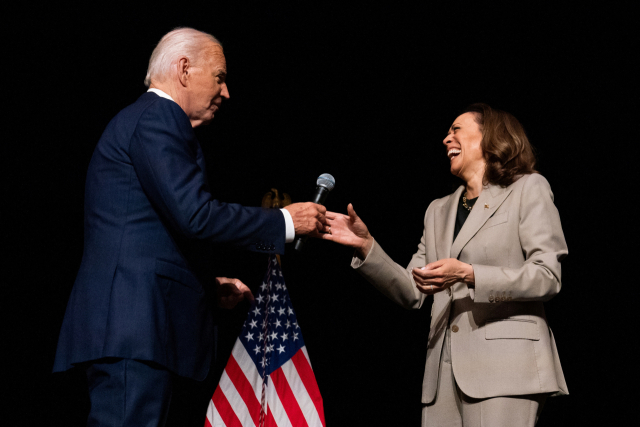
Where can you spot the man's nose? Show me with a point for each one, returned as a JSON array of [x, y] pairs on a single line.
[[225, 91]]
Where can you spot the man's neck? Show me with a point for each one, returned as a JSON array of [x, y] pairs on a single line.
[[176, 96]]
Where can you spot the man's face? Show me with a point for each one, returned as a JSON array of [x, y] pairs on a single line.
[[207, 86]]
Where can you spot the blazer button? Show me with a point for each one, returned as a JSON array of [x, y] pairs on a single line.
[[490, 298], [454, 328]]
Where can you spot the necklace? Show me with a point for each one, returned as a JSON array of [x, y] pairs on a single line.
[[464, 202]]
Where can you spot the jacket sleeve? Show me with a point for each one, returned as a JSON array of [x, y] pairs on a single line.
[[543, 245], [163, 151], [392, 280]]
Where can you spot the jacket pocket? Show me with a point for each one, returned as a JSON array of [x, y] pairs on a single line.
[[523, 329], [496, 219], [177, 274]]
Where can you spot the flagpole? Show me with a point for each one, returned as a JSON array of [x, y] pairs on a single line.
[[265, 330]]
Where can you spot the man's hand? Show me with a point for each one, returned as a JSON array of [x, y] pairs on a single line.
[[349, 230], [231, 291], [442, 274], [308, 218]]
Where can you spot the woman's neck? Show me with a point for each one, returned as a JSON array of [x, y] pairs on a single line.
[[474, 184]]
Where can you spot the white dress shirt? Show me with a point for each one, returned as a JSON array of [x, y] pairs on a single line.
[[290, 232]]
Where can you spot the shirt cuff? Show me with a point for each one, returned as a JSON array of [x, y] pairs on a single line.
[[290, 233]]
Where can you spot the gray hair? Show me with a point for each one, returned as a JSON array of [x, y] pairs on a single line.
[[179, 42]]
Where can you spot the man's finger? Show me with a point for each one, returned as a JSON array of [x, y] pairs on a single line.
[[331, 215]]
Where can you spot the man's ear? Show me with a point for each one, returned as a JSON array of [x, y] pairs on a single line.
[[184, 67]]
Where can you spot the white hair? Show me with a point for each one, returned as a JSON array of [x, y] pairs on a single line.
[[179, 42]]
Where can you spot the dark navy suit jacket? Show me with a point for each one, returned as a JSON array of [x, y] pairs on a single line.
[[138, 293]]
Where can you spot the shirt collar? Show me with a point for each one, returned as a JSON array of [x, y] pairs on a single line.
[[160, 93]]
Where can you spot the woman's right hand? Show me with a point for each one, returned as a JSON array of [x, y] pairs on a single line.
[[348, 230]]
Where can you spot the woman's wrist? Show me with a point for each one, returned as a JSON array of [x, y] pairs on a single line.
[[468, 276], [365, 248]]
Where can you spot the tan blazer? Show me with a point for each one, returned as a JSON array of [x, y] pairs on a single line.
[[501, 344]]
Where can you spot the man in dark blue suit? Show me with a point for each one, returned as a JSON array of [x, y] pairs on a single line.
[[137, 313]]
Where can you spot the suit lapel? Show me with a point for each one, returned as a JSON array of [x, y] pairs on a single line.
[[492, 196], [445, 219]]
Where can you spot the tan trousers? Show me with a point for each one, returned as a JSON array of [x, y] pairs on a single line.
[[453, 408]]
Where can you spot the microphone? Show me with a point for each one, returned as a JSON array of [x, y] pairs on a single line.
[[324, 184]]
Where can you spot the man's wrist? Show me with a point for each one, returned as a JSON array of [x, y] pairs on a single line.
[[290, 230]]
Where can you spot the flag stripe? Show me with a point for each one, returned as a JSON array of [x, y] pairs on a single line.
[[309, 380], [227, 415], [245, 362], [301, 395], [306, 354], [270, 422], [287, 398], [213, 418], [275, 407], [244, 388], [235, 400]]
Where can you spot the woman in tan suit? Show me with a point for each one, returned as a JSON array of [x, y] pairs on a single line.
[[489, 255]]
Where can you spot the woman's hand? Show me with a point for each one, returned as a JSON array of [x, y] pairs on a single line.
[[231, 291], [442, 274], [348, 230]]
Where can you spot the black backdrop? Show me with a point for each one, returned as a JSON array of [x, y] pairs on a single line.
[[364, 93]]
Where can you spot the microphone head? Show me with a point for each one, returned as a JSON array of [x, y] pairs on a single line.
[[327, 181]]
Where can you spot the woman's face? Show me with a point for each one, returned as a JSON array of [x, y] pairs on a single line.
[[463, 144]]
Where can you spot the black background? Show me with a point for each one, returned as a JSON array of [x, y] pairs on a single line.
[[367, 94]]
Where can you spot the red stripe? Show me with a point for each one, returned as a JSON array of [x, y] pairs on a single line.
[[206, 422], [244, 388], [309, 380], [224, 409], [270, 421], [288, 399]]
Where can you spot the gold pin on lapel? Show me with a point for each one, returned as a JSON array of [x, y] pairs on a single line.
[[486, 206]]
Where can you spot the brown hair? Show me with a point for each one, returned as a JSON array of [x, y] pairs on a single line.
[[505, 145]]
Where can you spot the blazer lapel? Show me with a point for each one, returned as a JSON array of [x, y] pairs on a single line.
[[489, 201], [444, 221]]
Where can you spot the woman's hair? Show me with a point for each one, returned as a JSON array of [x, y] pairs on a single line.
[[505, 145]]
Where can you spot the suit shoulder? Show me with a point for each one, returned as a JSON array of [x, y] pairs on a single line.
[[443, 200], [155, 111], [437, 203], [534, 180], [151, 104], [533, 186]]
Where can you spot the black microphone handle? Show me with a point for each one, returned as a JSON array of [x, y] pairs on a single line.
[[318, 198]]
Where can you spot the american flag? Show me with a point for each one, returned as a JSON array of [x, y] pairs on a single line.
[[268, 380]]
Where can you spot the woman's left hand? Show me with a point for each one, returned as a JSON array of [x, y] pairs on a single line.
[[442, 274]]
